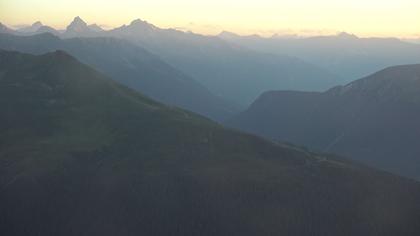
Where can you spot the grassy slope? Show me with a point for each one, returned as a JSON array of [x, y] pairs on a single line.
[[81, 155]]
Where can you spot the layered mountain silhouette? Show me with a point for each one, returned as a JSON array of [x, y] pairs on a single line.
[[47, 29], [343, 54], [35, 27], [279, 62], [235, 73], [96, 28], [79, 28], [373, 120], [131, 66], [82, 155]]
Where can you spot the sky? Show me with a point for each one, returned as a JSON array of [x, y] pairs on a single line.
[[390, 18]]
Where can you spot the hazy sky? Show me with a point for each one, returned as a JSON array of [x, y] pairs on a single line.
[[363, 17]]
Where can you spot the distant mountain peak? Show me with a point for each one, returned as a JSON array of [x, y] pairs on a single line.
[[95, 28], [77, 25], [138, 23], [32, 28], [345, 35], [37, 24], [78, 19]]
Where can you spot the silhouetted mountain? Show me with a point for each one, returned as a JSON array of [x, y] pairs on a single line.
[[77, 25], [32, 28], [374, 120], [35, 28], [131, 66], [47, 29], [83, 155], [95, 28], [79, 28], [136, 27], [344, 54], [232, 72], [236, 74]]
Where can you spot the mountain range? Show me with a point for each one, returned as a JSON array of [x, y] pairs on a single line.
[[35, 27], [333, 60], [346, 55], [130, 65], [79, 28], [372, 120], [83, 155], [232, 72], [279, 63]]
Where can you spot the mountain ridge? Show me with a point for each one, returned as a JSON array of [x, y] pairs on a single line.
[[227, 69], [133, 66], [344, 54], [372, 120], [87, 156]]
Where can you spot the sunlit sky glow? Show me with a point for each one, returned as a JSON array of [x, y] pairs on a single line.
[[399, 18]]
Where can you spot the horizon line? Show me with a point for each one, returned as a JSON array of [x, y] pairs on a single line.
[[292, 33]]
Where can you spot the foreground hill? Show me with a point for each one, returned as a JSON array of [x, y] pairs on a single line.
[[374, 120], [131, 66], [82, 155]]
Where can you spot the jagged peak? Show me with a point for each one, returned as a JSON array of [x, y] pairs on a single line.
[[76, 23], [78, 19]]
